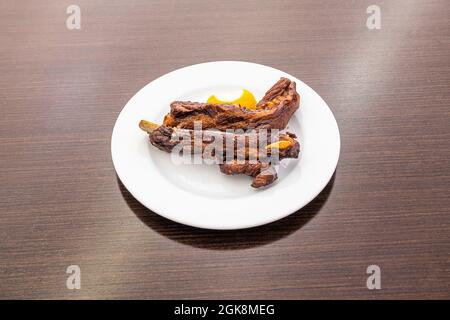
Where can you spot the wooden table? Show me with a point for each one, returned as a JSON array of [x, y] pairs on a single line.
[[61, 203]]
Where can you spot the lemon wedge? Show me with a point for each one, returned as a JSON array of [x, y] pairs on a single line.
[[247, 99], [282, 144]]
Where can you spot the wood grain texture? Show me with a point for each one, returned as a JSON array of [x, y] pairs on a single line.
[[61, 202]]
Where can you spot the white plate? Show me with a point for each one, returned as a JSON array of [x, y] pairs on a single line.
[[200, 195]]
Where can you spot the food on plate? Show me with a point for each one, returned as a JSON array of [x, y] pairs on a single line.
[[247, 100], [263, 173], [272, 112], [252, 154]]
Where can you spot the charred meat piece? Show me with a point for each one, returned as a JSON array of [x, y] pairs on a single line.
[[263, 173], [246, 156], [272, 112], [244, 145]]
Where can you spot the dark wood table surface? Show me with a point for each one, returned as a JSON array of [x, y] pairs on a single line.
[[61, 203]]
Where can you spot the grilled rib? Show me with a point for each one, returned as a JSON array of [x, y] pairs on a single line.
[[272, 112], [245, 148]]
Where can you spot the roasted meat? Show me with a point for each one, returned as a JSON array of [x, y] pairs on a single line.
[[272, 112], [245, 146], [263, 173], [246, 157]]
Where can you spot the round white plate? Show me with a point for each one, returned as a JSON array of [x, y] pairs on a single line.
[[200, 195]]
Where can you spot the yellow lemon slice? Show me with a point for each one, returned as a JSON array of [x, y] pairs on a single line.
[[247, 99], [282, 144]]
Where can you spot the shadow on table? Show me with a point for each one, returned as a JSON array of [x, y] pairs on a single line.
[[227, 239]]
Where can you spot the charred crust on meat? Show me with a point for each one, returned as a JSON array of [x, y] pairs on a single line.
[[272, 112]]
